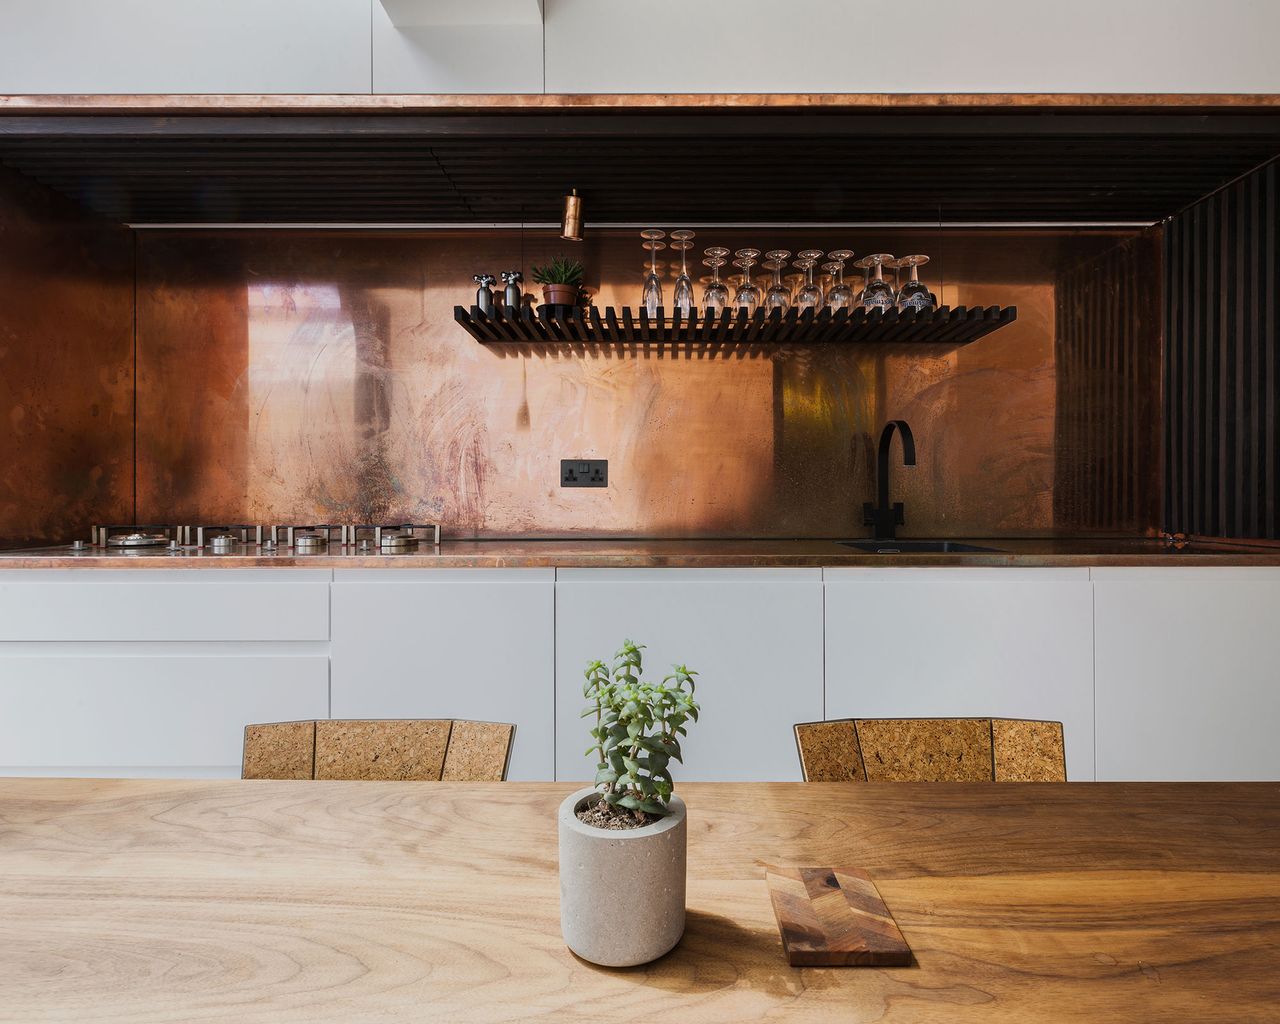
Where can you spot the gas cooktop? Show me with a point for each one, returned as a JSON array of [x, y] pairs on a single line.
[[249, 539]]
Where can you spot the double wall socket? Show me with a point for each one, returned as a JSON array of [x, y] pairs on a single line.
[[584, 472]]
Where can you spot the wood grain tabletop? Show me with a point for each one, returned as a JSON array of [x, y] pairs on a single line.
[[280, 902]]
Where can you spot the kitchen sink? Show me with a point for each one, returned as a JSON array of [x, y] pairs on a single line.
[[909, 547]]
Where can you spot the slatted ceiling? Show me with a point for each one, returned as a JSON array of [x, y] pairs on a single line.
[[699, 168], [1222, 371]]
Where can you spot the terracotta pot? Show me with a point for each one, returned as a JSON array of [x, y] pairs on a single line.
[[560, 294], [621, 891]]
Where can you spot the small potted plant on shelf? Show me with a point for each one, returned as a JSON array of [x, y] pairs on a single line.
[[561, 280], [622, 841]]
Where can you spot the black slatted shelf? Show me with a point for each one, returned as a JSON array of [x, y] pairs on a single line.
[[734, 332]]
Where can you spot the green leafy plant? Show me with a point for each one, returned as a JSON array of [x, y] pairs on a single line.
[[560, 270], [637, 730]]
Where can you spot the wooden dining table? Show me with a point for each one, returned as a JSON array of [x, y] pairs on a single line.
[[278, 902]]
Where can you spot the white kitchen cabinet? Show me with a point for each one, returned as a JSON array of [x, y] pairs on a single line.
[[450, 643], [982, 643], [1188, 673], [185, 46], [753, 635], [175, 710], [165, 604]]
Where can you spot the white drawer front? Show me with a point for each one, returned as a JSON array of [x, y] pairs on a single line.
[[138, 710], [205, 605]]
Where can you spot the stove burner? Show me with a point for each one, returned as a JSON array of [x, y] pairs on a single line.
[[133, 535], [136, 540], [224, 539], [391, 537], [308, 540]]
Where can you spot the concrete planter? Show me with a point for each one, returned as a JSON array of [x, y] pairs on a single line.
[[603, 917]]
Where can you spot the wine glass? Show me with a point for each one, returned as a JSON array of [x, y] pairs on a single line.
[[682, 297], [748, 296], [716, 296], [779, 295], [651, 297], [913, 294], [878, 294], [841, 295], [809, 296]]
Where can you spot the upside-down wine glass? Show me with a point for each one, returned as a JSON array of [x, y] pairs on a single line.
[[809, 296], [914, 294], [682, 297], [748, 296], [716, 296], [878, 294], [779, 295], [841, 295], [651, 297]]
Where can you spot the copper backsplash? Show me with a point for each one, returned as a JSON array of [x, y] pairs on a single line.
[[320, 376], [66, 367]]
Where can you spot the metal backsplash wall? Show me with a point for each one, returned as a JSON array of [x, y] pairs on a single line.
[[66, 367], [320, 376]]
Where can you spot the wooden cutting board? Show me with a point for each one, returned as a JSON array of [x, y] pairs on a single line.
[[834, 917]]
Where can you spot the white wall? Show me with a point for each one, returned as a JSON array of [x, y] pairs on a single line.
[[920, 46], [336, 46], [179, 46]]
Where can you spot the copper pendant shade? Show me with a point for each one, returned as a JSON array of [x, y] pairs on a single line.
[[571, 217]]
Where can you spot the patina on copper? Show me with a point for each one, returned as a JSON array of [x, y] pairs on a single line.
[[66, 367], [303, 375]]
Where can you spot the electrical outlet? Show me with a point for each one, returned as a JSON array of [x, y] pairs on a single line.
[[584, 472]]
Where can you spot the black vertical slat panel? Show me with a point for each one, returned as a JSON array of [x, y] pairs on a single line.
[[1107, 350], [1240, 437], [1188, 378], [1222, 378], [1268, 339], [1197, 295], [1173, 370]]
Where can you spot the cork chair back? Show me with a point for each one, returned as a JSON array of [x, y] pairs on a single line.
[[931, 750], [430, 750]]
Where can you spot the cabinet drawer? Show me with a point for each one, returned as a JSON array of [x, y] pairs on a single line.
[[471, 643], [139, 710], [192, 605]]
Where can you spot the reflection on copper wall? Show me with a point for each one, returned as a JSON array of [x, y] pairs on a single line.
[[320, 376], [1108, 360], [66, 367]]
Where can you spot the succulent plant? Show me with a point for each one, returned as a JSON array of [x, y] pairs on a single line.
[[560, 270], [637, 730]]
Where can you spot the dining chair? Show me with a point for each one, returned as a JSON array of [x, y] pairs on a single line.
[[429, 750], [931, 750]]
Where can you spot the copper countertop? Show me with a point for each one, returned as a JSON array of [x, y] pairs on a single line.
[[672, 554]]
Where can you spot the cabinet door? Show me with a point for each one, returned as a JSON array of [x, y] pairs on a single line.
[[1188, 686], [943, 643], [753, 635], [446, 643], [172, 710]]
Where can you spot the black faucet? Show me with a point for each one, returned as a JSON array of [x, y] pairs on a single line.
[[887, 518]]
